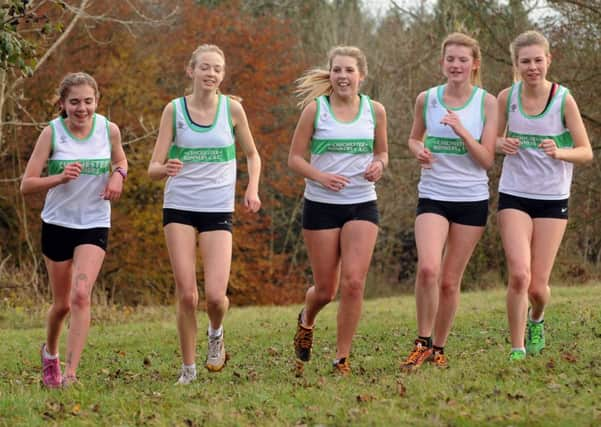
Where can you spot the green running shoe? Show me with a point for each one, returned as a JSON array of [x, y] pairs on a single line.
[[535, 337], [517, 355]]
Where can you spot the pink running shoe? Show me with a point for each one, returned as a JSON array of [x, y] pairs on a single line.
[[51, 370]]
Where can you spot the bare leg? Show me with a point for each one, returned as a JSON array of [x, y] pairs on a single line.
[[323, 248], [461, 242], [357, 240], [59, 274], [181, 242], [431, 232], [216, 250], [87, 261], [516, 233]]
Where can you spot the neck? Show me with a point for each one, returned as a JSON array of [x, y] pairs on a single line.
[[459, 89], [538, 89], [203, 98], [346, 100]]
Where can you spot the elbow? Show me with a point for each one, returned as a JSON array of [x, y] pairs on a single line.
[[24, 188]]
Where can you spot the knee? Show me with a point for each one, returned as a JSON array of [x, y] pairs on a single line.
[[215, 301], [352, 287], [519, 280], [188, 300], [325, 295], [427, 275], [80, 299], [538, 294], [449, 286], [61, 308]]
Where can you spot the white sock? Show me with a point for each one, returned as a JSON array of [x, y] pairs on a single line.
[[191, 368], [522, 349], [539, 320], [48, 355], [214, 333]]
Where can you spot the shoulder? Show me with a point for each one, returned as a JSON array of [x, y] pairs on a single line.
[[235, 105], [421, 97], [379, 108], [114, 131], [310, 108], [504, 93]]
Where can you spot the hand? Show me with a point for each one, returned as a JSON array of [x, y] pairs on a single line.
[[425, 158], [452, 119], [334, 182], [71, 172], [252, 203], [114, 188], [173, 166], [549, 147], [510, 145], [374, 171]]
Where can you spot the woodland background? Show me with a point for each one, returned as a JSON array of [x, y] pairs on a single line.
[[137, 50]]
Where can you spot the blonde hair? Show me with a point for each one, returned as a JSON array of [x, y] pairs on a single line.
[[528, 38], [316, 82], [204, 48], [462, 39], [74, 79]]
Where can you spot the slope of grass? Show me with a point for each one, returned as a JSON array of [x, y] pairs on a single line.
[[132, 360]]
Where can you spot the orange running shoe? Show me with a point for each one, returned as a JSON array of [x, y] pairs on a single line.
[[303, 340], [440, 359], [420, 354], [342, 366]]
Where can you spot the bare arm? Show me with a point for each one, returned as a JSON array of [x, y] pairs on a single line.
[[32, 181], [376, 168], [582, 151], [504, 145], [253, 160], [418, 130], [301, 141], [114, 187], [158, 167]]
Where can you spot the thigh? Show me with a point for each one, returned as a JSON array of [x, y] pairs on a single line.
[[181, 244], [431, 231], [59, 274], [546, 239], [461, 242], [87, 262], [357, 242], [216, 251], [516, 227], [323, 248]]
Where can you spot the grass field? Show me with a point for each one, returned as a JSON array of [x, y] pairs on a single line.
[[132, 360]]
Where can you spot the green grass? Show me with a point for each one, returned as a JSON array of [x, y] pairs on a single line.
[[131, 362]]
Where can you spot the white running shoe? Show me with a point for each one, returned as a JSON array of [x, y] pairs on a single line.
[[216, 355], [187, 375]]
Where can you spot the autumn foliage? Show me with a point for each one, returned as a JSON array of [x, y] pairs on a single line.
[[137, 76]]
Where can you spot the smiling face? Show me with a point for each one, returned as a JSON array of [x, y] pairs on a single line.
[[458, 63], [80, 104], [532, 63], [345, 76], [208, 71]]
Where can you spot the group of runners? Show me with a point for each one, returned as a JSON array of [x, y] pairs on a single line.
[[340, 148]]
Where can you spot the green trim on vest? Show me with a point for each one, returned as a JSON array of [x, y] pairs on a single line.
[[425, 109], [203, 155], [88, 166], [536, 116], [442, 145], [440, 95], [195, 127], [173, 119], [85, 138], [342, 146], [361, 102], [530, 142]]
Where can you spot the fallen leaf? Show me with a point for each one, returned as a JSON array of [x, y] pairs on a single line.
[[401, 389]]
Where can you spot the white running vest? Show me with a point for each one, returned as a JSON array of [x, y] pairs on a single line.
[[207, 181], [343, 148], [530, 172], [454, 175], [78, 203]]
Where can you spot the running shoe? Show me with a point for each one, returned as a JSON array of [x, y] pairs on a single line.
[[303, 340], [535, 337], [421, 353], [51, 370], [70, 381], [440, 359], [216, 355], [342, 366], [517, 355], [187, 375]]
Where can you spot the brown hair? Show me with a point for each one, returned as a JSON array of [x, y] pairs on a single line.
[[528, 38], [316, 82], [462, 39], [74, 79]]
